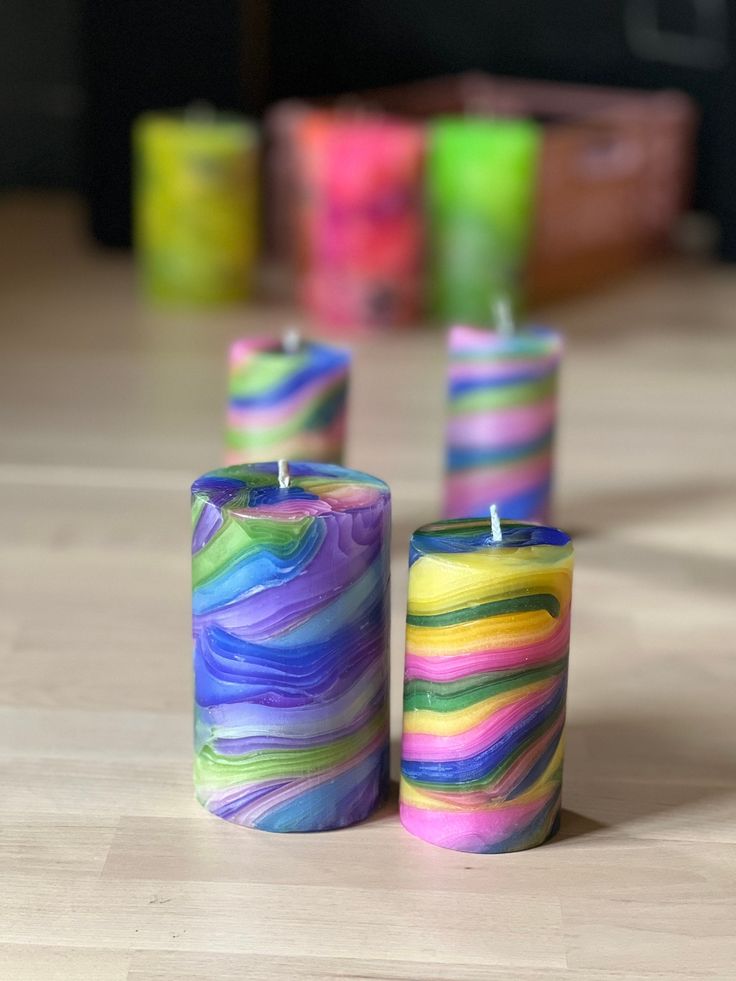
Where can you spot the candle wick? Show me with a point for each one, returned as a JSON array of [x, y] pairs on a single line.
[[503, 317], [496, 532], [291, 340], [284, 476]]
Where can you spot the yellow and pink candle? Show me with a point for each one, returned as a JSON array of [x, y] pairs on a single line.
[[488, 628]]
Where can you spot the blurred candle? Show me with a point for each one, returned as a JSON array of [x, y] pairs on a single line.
[[502, 408], [481, 177], [290, 618], [286, 399], [488, 628], [195, 205], [360, 218]]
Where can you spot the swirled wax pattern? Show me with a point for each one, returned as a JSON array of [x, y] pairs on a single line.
[[286, 404], [502, 409], [488, 628], [291, 629], [195, 203], [361, 219], [481, 182]]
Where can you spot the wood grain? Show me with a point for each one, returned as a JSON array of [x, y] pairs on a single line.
[[111, 872]]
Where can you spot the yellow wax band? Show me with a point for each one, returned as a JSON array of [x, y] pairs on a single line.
[[194, 203]]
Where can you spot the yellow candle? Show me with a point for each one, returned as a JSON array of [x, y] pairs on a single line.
[[195, 203]]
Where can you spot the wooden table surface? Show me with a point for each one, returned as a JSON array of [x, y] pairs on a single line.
[[111, 871]]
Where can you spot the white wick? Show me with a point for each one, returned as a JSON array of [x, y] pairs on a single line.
[[503, 317], [291, 340], [284, 477], [496, 533]]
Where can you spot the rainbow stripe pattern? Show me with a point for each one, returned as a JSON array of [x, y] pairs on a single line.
[[487, 638], [290, 623], [286, 404], [501, 422]]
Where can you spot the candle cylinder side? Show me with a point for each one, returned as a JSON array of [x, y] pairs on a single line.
[[360, 219], [487, 641], [290, 608], [501, 422], [195, 206], [481, 184], [289, 404]]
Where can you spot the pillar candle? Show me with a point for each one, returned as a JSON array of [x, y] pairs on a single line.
[[290, 622], [195, 206], [488, 627], [502, 409], [286, 400], [481, 178], [361, 226]]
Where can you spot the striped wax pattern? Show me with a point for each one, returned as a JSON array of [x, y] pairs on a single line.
[[290, 622], [488, 629], [501, 422], [286, 404]]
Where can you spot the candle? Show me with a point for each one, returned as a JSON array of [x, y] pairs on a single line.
[[195, 205], [488, 627], [481, 177], [502, 409], [360, 219], [290, 622], [286, 400]]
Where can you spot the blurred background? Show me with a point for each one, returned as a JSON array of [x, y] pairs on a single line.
[[75, 74]]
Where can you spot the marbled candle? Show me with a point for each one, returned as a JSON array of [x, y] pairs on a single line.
[[286, 401], [502, 412], [488, 628], [291, 631]]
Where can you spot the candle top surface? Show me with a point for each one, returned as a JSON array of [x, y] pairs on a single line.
[[273, 348], [252, 490], [461, 536], [472, 342], [205, 123]]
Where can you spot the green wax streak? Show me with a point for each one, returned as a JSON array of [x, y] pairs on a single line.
[[240, 538], [450, 696], [315, 415], [519, 604], [504, 396], [216, 768]]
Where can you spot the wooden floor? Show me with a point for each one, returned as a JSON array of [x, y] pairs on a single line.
[[111, 871]]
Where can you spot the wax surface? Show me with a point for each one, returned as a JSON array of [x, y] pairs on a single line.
[[286, 405], [502, 410], [290, 623], [360, 219], [195, 206], [488, 628], [481, 180]]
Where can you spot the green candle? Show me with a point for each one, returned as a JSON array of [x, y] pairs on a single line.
[[195, 205], [481, 177]]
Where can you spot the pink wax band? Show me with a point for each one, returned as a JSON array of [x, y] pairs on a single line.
[[488, 624], [502, 410], [360, 218]]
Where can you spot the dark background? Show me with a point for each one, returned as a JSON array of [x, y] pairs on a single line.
[[76, 72]]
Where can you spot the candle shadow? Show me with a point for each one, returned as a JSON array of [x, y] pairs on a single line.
[[643, 774]]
